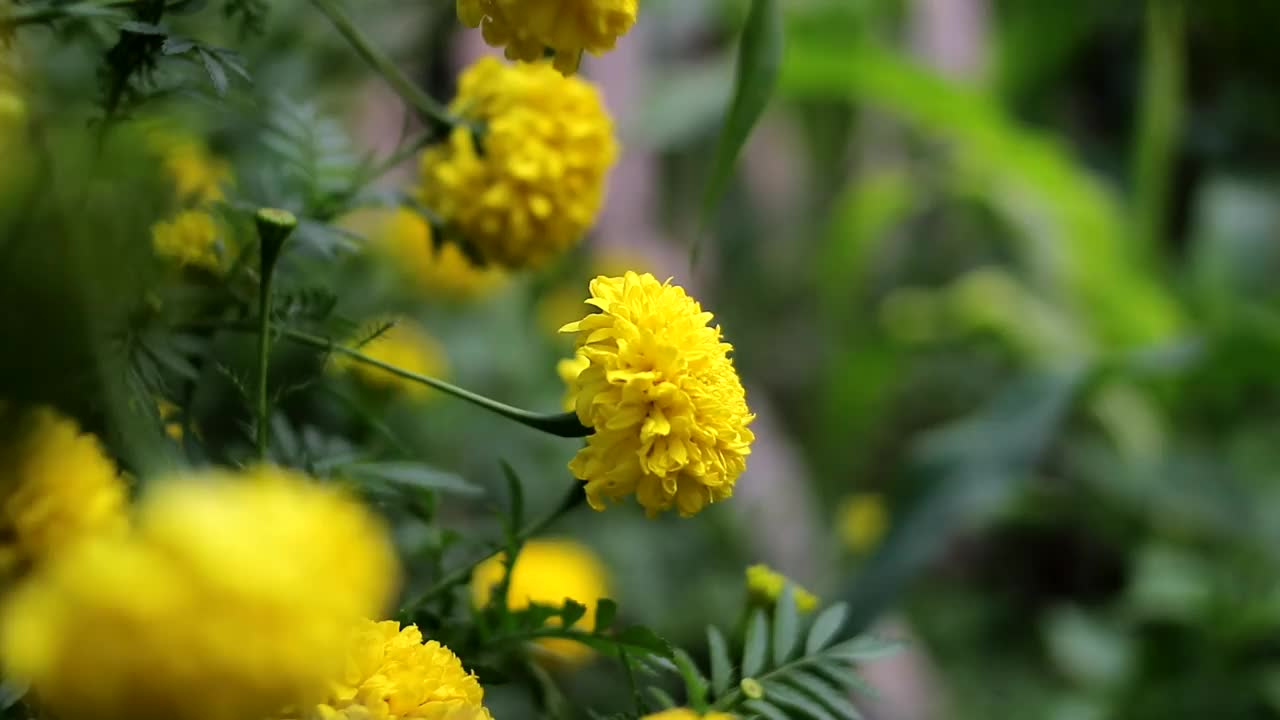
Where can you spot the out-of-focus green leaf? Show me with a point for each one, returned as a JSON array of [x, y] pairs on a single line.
[[800, 704], [756, 644], [825, 627], [831, 697], [786, 625], [410, 475], [721, 667]]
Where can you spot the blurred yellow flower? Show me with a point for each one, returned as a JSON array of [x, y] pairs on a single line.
[[669, 411], [232, 598], [405, 345], [569, 369], [198, 176], [547, 572], [391, 674], [190, 239], [533, 181], [861, 521], [527, 28], [686, 714], [764, 586], [57, 487], [403, 237]]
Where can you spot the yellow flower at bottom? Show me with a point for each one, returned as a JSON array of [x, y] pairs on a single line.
[[392, 675], [764, 586], [189, 239], [686, 714], [533, 183], [57, 487], [861, 521], [526, 28], [232, 598], [669, 412], [546, 573], [405, 345]]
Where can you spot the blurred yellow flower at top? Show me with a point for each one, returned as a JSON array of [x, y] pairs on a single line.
[[527, 28], [391, 674], [547, 572], [198, 176], [404, 238], [57, 487], [861, 521], [232, 598], [405, 345], [765, 586], [190, 239], [668, 409], [686, 714], [531, 185]]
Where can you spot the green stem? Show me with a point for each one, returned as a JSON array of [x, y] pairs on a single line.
[[559, 424], [274, 227], [575, 497], [1159, 121], [427, 106]]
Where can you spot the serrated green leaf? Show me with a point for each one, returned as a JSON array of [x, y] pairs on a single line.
[[864, 647], [721, 667], [176, 45], [832, 697], [695, 684], [765, 710], [842, 674], [797, 701], [572, 612], [410, 475], [786, 625], [755, 645], [661, 698], [825, 627], [217, 75], [142, 28], [641, 637], [759, 57], [606, 613]]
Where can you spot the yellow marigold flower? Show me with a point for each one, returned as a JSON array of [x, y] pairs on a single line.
[[405, 345], [533, 181], [57, 487], [391, 674], [232, 598], [404, 238], [547, 572], [861, 521], [765, 585], [686, 714], [199, 177], [189, 239], [569, 369], [527, 28], [669, 412]]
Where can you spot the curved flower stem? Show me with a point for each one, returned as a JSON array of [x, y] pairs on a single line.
[[575, 497], [559, 424], [427, 106]]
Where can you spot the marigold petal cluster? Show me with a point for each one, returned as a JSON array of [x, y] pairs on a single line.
[[765, 585], [190, 239], [404, 344], [686, 714], [527, 28], [232, 597], [391, 674], [57, 487], [548, 571], [659, 389], [523, 178]]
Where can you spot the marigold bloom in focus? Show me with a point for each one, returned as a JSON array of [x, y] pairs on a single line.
[[546, 573], [764, 586], [861, 521], [669, 412], [527, 28], [404, 238], [190, 239], [57, 487], [533, 181], [391, 674], [405, 345], [686, 714], [232, 598]]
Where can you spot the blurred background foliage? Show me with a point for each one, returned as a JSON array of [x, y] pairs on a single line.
[[998, 270]]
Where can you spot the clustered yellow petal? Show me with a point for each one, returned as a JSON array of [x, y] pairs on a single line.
[[764, 586], [527, 28], [231, 598], [686, 714], [548, 571], [659, 389], [57, 487], [405, 345], [190, 239], [391, 674], [523, 178], [198, 175]]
